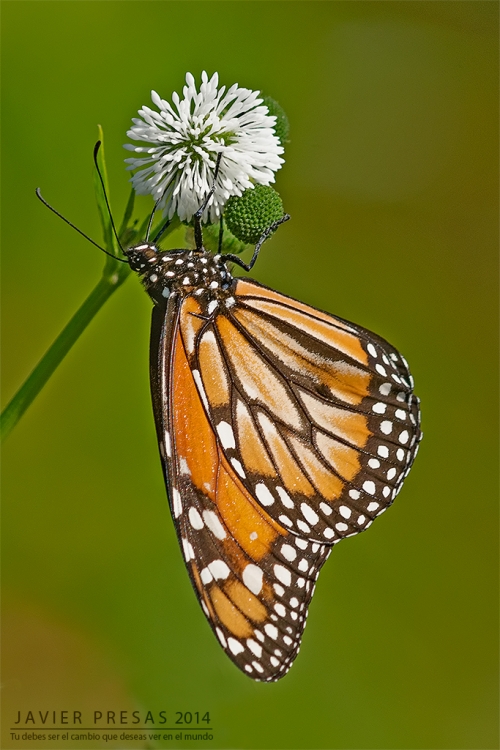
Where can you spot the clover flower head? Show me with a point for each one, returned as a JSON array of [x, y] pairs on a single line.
[[185, 140]]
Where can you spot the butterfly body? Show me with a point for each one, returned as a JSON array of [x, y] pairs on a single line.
[[282, 430]]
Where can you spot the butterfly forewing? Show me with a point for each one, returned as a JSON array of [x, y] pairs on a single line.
[[253, 579]]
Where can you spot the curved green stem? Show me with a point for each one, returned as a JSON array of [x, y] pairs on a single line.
[[13, 412]]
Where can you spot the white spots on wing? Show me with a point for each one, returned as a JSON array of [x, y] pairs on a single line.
[[374, 463], [379, 408], [255, 648], [187, 549], [279, 589], [303, 565], [326, 509], [258, 667], [274, 661], [303, 526], [301, 543], [238, 467], [214, 524], [183, 466], [385, 389], [195, 519], [287, 640], [230, 302], [383, 451], [235, 646], [272, 631], [401, 396], [309, 514], [400, 454], [354, 494], [248, 668], [176, 502], [328, 533], [283, 574], [285, 497], [226, 435], [386, 491], [386, 427], [252, 578], [400, 414], [344, 511], [219, 569], [372, 506], [391, 473], [300, 582], [201, 390], [206, 576], [220, 636], [285, 520], [253, 536], [341, 526], [369, 487], [288, 552], [360, 520], [294, 602], [205, 608], [372, 350], [167, 444], [404, 437], [279, 609], [381, 370], [263, 494], [212, 306], [259, 635]]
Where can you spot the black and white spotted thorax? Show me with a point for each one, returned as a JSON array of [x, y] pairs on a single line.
[[183, 272]]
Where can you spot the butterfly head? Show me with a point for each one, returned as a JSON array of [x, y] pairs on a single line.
[[182, 271]]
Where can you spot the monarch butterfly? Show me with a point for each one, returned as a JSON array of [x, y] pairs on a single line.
[[282, 430]]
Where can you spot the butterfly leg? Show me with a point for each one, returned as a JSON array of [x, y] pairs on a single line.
[[198, 235], [263, 238]]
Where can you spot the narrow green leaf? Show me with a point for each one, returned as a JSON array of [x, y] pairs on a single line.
[[127, 215], [107, 229]]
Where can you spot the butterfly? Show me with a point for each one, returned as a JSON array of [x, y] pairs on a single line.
[[282, 430]]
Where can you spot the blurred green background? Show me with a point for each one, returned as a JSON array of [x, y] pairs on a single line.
[[391, 181]]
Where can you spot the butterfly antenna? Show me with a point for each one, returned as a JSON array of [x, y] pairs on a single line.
[[96, 151], [42, 199], [198, 235]]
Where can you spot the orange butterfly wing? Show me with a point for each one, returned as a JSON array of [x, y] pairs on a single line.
[[315, 415], [252, 577]]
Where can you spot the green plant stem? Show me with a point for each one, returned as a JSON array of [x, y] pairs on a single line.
[[13, 412]]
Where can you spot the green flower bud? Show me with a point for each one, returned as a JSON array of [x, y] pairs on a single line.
[[249, 215], [282, 127]]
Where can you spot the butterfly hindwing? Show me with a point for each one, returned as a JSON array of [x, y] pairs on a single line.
[[316, 416]]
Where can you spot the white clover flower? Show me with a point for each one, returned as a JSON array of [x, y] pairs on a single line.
[[179, 166]]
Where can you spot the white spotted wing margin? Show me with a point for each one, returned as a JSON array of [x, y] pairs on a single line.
[[253, 579]]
